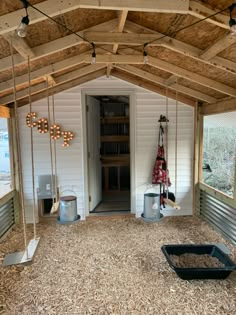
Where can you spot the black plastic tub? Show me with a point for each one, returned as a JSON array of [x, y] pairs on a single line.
[[199, 273]]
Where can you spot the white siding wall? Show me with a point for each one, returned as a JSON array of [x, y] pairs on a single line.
[[149, 106]]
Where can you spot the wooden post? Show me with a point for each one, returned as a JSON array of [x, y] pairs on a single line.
[[15, 166]]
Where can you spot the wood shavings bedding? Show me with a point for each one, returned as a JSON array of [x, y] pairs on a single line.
[[111, 267]]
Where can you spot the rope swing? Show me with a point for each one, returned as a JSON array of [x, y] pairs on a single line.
[[29, 250], [53, 155], [176, 138]]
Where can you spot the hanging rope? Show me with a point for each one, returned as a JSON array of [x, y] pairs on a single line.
[[167, 167], [21, 189], [50, 142], [55, 151], [176, 138], [32, 149]]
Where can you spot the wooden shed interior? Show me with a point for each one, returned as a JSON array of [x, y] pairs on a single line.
[[181, 50]]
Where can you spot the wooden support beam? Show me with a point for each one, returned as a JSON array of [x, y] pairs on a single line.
[[70, 62], [150, 86], [186, 74], [183, 48], [47, 70], [122, 15], [56, 45], [191, 76], [60, 79], [171, 80], [121, 24], [23, 49], [223, 106], [4, 112], [167, 42], [60, 87], [201, 11], [219, 46], [10, 21], [20, 45], [120, 38], [158, 80]]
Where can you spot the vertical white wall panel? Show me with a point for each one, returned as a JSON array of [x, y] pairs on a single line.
[[149, 106]]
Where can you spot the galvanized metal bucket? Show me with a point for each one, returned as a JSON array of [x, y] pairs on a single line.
[[68, 208], [151, 206]]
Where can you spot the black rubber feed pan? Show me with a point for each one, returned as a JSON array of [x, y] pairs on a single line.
[[187, 273]]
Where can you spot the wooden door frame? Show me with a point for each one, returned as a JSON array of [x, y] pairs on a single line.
[[132, 114]]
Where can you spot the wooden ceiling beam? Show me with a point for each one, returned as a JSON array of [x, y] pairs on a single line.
[[20, 45], [171, 80], [133, 57], [122, 16], [158, 80], [191, 76], [218, 46], [223, 106], [201, 11], [23, 49], [10, 21], [69, 63], [121, 24], [56, 45], [183, 48], [186, 74], [151, 87], [60, 87], [60, 79]]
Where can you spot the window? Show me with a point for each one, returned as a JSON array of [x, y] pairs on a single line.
[[5, 163], [219, 148]]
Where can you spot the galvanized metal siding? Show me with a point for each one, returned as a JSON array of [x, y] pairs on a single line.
[[7, 218], [219, 214], [149, 106]]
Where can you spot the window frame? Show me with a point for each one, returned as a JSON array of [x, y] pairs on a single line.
[[231, 200]]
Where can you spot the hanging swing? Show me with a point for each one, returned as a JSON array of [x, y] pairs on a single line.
[[30, 249], [55, 197]]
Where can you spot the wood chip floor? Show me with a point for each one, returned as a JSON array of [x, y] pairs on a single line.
[[111, 267]]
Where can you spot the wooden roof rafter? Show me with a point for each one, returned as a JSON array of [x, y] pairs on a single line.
[[126, 33]]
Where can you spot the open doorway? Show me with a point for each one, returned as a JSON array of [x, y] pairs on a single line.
[[108, 148]]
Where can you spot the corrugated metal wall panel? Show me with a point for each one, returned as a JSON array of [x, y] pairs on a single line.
[[219, 214], [149, 106], [7, 217]]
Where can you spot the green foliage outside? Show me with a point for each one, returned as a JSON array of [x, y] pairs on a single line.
[[219, 148]]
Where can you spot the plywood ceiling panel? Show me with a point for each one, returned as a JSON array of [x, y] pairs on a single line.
[[200, 35], [217, 4], [229, 53], [76, 20]]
